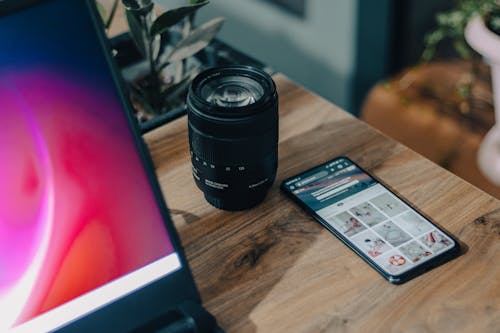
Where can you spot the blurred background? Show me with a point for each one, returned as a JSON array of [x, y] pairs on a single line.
[[336, 48], [366, 57]]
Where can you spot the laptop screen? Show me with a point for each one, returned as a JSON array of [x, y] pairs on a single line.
[[79, 222]]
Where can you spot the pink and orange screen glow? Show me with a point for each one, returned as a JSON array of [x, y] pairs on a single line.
[[76, 207]]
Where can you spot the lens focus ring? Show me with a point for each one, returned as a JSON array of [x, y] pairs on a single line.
[[225, 151]]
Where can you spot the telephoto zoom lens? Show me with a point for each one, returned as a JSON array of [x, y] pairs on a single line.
[[233, 135]]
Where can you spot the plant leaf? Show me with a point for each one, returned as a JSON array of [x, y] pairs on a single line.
[[136, 31], [141, 96], [162, 66], [462, 49], [197, 40], [172, 17], [176, 89]]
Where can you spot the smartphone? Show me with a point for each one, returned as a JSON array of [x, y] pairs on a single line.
[[383, 229]]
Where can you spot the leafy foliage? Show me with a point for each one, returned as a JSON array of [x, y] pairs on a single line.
[[153, 92], [451, 25], [196, 41], [172, 17]]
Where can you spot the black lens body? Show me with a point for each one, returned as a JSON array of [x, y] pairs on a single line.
[[234, 143]]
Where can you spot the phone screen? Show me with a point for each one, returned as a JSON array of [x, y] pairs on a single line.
[[388, 233]]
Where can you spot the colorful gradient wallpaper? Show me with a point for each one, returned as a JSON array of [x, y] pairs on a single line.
[[76, 207]]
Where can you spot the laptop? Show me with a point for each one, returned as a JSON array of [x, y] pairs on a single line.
[[86, 242]]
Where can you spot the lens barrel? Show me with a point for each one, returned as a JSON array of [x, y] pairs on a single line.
[[233, 135]]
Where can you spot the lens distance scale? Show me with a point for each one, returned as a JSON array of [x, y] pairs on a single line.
[[235, 183]]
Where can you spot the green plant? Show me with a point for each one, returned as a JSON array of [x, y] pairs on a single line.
[[451, 26], [168, 74]]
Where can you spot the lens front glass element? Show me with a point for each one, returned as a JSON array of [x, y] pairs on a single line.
[[232, 91]]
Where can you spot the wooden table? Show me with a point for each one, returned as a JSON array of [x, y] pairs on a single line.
[[273, 269]]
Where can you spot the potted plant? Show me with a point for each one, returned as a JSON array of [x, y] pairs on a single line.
[[200, 49], [165, 47], [474, 26], [168, 64]]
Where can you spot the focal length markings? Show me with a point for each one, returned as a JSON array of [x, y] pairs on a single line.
[[216, 185]]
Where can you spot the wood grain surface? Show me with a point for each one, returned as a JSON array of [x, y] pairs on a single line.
[[274, 269]]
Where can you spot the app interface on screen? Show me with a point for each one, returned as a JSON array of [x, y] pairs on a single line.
[[378, 223], [76, 208]]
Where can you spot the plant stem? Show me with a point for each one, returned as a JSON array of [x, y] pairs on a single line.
[[188, 24], [153, 74]]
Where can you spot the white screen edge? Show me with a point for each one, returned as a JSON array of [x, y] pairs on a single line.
[[100, 297]]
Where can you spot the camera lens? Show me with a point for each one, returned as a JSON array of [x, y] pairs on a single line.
[[232, 92], [233, 135]]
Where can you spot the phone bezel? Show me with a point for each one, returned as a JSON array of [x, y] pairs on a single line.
[[397, 279]]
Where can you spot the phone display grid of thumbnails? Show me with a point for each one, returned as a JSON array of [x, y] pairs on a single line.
[[390, 233]]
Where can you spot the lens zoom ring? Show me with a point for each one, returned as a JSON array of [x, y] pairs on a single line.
[[221, 152]]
